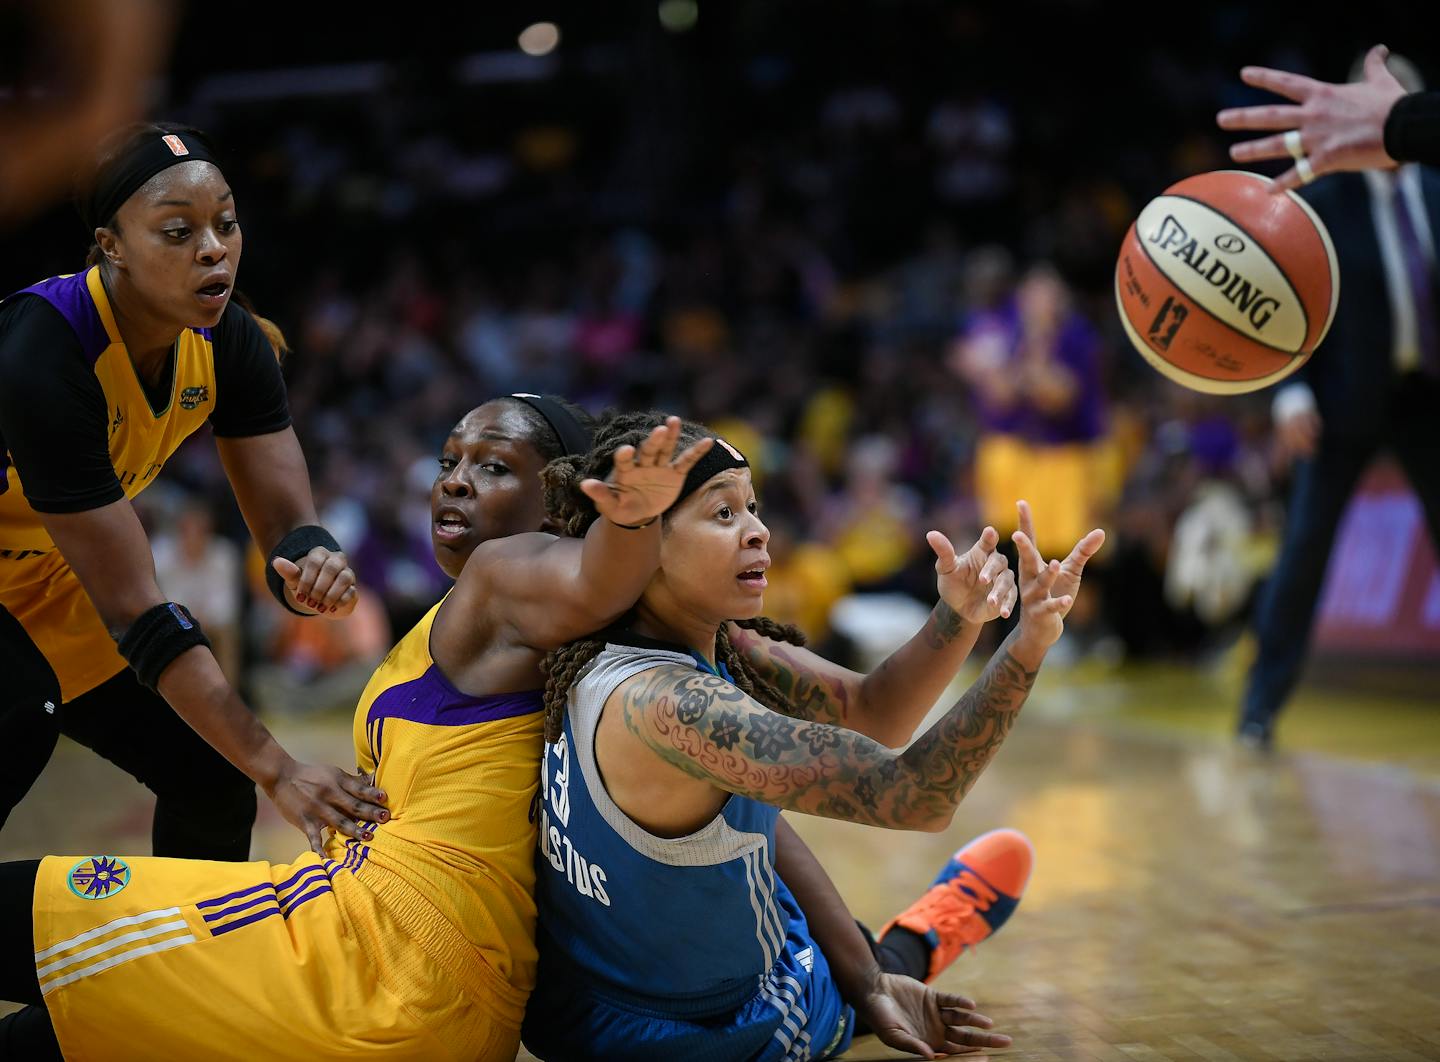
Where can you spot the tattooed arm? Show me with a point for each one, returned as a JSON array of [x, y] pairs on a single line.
[[710, 730], [702, 725], [890, 702]]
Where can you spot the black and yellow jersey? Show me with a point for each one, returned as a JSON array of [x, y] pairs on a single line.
[[80, 431]]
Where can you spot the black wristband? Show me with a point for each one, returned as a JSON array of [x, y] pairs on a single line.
[[634, 527], [292, 547], [158, 636]]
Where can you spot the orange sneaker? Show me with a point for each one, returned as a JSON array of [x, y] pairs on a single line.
[[973, 895]]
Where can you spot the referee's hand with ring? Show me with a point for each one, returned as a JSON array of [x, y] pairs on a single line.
[[1328, 127]]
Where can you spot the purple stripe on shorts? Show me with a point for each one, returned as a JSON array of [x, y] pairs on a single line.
[[306, 898], [215, 916], [234, 895], [244, 921], [71, 297], [293, 878], [432, 700], [313, 875]]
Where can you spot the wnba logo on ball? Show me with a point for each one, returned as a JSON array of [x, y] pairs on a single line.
[[1229, 243]]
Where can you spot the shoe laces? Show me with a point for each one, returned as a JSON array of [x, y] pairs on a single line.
[[953, 909]]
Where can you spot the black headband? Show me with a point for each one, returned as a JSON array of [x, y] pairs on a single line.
[[138, 165], [574, 437], [721, 457]]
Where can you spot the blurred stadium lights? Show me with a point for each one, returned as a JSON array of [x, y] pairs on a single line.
[[539, 39], [679, 16]]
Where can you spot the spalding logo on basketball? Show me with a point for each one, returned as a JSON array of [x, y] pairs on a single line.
[[1225, 286]]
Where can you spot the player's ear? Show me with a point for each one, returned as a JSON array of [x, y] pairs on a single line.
[[108, 240]]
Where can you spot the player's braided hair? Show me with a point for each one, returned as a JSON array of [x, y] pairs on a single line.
[[569, 506]]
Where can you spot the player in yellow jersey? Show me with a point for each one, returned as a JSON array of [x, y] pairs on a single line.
[[418, 944], [102, 375]]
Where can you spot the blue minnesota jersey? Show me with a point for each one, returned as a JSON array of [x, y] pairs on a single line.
[[695, 932]]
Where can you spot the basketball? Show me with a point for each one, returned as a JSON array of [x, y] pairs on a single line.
[[1224, 286]]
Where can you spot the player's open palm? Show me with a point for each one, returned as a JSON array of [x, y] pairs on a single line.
[[910, 1016], [978, 584], [647, 479], [1048, 588], [1072, 568]]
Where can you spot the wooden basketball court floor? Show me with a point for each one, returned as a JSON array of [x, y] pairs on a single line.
[[1189, 901]]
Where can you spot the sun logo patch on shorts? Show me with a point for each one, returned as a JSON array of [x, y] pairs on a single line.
[[99, 877]]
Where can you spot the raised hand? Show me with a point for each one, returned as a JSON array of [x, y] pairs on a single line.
[[978, 584], [910, 1016], [1048, 588], [1330, 127], [1067, 582], [321, 584], [312, 797], [646, 481]]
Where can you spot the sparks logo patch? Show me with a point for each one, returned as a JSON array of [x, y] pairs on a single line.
[[99, 877], [175, 144], [193, 396]]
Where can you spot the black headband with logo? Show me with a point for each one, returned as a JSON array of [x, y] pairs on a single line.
[[143, 161], [721, 458], [574, 437]]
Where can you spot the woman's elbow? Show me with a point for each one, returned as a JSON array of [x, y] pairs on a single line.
[[923, 820]]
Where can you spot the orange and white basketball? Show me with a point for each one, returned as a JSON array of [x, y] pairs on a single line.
[[1225, 286]]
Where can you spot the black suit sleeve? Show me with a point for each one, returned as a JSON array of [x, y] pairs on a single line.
[[1412, 129], [250, 398], [54, 419]]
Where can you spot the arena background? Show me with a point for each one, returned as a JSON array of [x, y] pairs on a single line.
[[781, 218]]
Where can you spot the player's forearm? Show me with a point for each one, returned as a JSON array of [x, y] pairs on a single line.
[[195, 687], [271, 482], [895, 698], [833, 928], [616, 564], [941, 767]]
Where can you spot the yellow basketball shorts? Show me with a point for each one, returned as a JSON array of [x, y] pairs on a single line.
[[151, 959]]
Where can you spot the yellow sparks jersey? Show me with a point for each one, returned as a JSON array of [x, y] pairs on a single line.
[[462, 775], [418, 945], [72, 446]]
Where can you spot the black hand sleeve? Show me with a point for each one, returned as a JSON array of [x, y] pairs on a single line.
[[1412, 129]]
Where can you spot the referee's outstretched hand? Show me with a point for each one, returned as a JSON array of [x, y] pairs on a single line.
[[1336, 127], [322, 584], [314, 798]]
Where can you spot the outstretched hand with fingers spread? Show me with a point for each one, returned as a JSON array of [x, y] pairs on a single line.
[[910, 1016], [645, 481], [1048, 588], [977, 584], [1073, 566], [1334, 127]]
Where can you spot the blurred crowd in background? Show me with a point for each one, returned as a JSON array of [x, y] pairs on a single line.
[[871, 244]]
